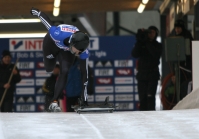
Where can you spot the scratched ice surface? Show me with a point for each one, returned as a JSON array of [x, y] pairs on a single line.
[[178, 124]]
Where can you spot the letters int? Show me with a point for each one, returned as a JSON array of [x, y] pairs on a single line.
[[33, 45]]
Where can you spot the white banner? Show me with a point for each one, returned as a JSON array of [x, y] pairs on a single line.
[[104, 72], [103, 97], [124, 106], [25, 65], [25, 45], [123, 63], [25, 91], [25, 108], [104, 89], [124, 97], [26, 82], [127, 89], [123, 80]]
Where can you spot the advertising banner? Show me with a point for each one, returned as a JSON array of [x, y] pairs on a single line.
[[110, 59]]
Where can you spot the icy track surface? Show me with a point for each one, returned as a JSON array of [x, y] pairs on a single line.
[[173, 124]]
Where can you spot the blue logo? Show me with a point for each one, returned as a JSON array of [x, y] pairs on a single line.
[[56, 33]]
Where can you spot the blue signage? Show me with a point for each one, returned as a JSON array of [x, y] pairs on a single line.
[[111, 61]]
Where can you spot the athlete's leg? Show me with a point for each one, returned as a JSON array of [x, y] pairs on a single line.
[[50, 51], [66, 60], [84, 77]]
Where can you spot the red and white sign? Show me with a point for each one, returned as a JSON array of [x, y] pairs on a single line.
[[41, 73], [124, 72], [104, 81], [104, 89], [27, 73], [40, 64], [40, 108], [67, 29], [25, 45], [124, 80]]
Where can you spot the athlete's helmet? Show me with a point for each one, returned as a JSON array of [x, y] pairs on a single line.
[[79, 40]]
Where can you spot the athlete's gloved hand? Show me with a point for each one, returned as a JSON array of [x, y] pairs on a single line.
[[35, 11]]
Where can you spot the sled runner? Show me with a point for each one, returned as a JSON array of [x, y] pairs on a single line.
[[95, 107]]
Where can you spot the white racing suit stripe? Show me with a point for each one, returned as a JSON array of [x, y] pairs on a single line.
[[86, 83], [85, 93], [45, 22]]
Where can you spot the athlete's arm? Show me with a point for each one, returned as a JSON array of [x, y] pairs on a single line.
[[43, 17]]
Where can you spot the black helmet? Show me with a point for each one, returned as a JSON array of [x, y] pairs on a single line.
[[79, 40]]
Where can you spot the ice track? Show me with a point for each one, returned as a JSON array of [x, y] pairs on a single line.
[[173, 124]]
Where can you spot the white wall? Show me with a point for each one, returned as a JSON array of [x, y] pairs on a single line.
[[195, 64], [132, 20]]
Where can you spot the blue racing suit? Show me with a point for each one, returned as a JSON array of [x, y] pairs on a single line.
[[56, 45]]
